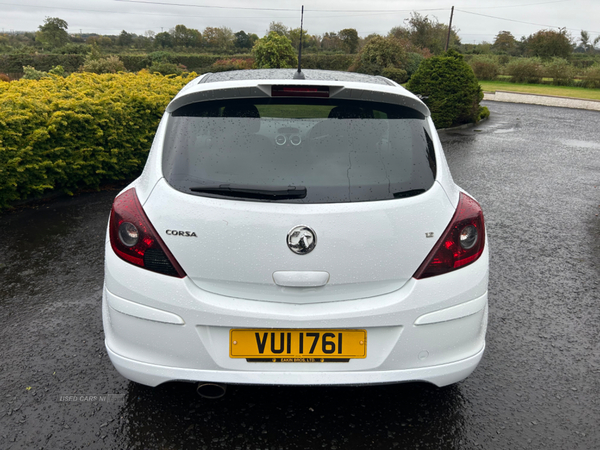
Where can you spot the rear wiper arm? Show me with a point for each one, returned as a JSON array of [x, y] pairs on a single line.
[[410, 193], [247, 191]]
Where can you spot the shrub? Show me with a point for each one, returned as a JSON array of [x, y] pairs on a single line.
[[379, 54], [135, 63], [59, 71], [30, 73], [561, 72], [224, 65], [166, 68], [160, 56], [449, 88], [484, 113], [484, 67], [109, 64], [525, 70], [582, 61], [73, 49], [398, 75], [591, 77], [503, 59], [79, 131], [274, 52], [412, 63], [327, 62], [199, 61]]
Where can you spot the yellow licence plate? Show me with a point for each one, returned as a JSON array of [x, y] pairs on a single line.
[[297, 345]]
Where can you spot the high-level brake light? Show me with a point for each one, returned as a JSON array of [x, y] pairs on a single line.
[[299, 91]]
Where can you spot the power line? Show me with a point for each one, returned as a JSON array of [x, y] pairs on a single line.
[[342, 13], [518, 6], [520, 21], [135, 13], [187, 5]]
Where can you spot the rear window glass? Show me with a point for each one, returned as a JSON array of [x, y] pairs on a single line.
[[298, 150]]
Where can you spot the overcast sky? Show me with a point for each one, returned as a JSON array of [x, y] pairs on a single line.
[[476, 20]]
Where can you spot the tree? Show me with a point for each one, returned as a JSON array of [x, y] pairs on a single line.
[[505, 42], [549, 44], [294, 36], [225, 39], [429, 33], [279, 28], [382, 56], [331, 42], [186, 37], [53, 33], [163, 40], [102, 41], [218, 39], [586, 42], [399, 33], [274, 52], [449, 88], [244, 41], [349, 38], [402, 35], [125, 39]]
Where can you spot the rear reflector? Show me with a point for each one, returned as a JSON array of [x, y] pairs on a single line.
[[299, 91], [461, 244]]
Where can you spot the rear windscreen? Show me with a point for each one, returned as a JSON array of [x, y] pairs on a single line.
[[298, 150]]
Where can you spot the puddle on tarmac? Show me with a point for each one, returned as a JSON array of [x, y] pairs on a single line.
[[581, 144], [507, 130]]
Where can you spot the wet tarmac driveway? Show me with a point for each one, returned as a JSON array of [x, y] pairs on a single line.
[[536, 172]]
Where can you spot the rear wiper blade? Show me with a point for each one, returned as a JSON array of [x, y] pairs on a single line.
[[410, 193], [247, 191]]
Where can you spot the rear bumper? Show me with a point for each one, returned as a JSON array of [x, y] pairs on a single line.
[[153, 375], [160, 329]]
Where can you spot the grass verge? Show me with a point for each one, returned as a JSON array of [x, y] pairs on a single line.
[[541, 89]]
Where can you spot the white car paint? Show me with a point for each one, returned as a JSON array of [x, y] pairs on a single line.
[[240, 274]]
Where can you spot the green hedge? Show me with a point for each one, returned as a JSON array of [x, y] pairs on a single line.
[[135, 63], [78, 132], [15, 63], [327, 62]]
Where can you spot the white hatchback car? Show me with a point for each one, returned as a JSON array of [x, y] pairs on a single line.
[[295, 232]]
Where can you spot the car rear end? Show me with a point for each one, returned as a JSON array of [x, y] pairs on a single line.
[[295, 232]]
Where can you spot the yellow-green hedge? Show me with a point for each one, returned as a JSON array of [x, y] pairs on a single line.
[[79, 131]]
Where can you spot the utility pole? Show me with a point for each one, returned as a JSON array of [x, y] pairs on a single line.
[[449, 28]]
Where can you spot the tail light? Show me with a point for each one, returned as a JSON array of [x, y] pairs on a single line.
[[461, 244], [134, 239]]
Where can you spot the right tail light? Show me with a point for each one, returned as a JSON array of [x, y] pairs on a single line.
[[461, 244]]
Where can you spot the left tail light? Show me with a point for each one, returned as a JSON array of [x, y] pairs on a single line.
[[461, 244], [134, 239]]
